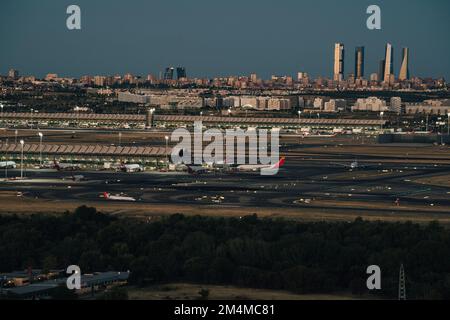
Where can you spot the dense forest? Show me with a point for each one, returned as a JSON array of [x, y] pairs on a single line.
[[250, 252]]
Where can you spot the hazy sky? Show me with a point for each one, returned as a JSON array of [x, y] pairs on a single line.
[[217, 38]]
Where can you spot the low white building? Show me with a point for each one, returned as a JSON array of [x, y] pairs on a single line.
[[439, 107], [370, 104]]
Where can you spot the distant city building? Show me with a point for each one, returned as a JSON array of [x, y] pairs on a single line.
[[132, 98], [13, 74], [374, 77], [51, 77], [250, 102], [335, 105], [151, 78], [168, 74], [404, 69], [339, 54], [99, 81], [301, 76], [388, 63], [396, 105], [278, 104], [88, 80], [437, 107], [370, 104], [301, 102], [318, 103], [181, 73], [359, 62], [129, 78]]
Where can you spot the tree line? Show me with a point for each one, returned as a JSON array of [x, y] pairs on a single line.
[[312, 257]]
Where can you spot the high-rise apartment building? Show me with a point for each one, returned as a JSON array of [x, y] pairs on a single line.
[[404, 69], [181, 73], [388, 63], [396, 105], [359, 62], [168, 73], [339, 54]]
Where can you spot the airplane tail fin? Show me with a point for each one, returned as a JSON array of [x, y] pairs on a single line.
[[273, 170], [106, 195], [279, 164]]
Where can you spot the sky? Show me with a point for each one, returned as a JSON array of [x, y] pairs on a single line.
[[219, 38]]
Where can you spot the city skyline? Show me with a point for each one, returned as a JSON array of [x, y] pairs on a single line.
[[217, 39], [386, 73]]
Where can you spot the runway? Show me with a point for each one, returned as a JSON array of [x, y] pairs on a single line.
[[381, 188]]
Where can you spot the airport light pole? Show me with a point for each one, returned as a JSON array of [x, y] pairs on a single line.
[[15, 136], [167, 147], [299, 115], [41, 136], [77, 111], [381, 118], [37, 119], [21, 160], [426, 128], [120, 139]]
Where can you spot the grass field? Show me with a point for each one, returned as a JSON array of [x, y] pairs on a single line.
[[442, 180], [183, 291], [11, 204]]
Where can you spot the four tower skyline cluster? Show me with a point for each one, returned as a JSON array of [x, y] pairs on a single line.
[[386, 70]]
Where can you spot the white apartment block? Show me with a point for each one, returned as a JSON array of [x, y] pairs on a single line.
[[370, 104]]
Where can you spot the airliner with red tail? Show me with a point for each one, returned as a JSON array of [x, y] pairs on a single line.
[[108, 196], [261, 167]]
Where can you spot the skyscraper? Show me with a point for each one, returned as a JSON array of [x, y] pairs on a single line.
[[181, 73], [388, 63], [359, 62], [168, 74], [339, 62], [404, 69]]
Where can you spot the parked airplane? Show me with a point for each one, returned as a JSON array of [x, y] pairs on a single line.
[[259, 167], [108, 196], [197, 169], [8, 165], [308, 135], [353, 165], [66, 166], [132, 168]]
